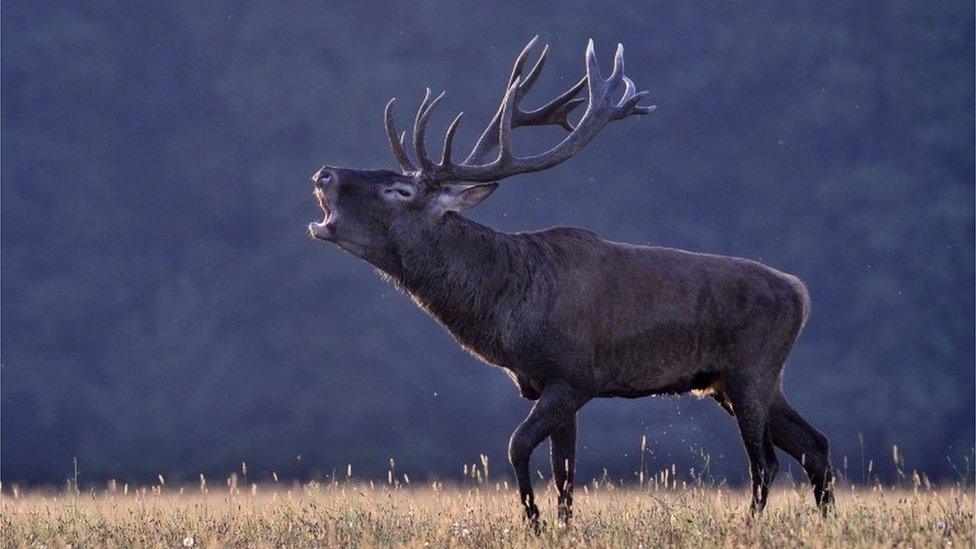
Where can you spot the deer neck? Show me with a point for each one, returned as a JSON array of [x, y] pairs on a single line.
[[462, 273]]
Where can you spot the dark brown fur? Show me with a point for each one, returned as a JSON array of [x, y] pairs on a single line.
[[571, 317]]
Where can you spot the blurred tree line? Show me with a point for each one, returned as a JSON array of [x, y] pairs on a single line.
[[164, 311]]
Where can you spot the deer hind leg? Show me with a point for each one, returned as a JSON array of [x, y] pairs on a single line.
[[563, 456], [556, 406], [806, 445], [749, 400]]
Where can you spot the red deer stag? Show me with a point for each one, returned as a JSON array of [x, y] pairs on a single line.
[[569, 316]]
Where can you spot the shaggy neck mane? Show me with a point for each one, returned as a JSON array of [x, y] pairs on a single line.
[[466, 275]]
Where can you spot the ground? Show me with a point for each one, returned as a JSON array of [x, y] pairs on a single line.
[[478, 515]]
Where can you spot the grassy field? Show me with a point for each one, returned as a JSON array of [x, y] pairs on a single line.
[[477, 516]]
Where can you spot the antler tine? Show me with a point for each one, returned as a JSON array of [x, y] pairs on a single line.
[[423, 105], [396, 144], [625, 106], [556, 112], [449, 141], [618, 68], [629, 90], [534, 73], [416, 120], [628, 102], [505, 153], [595, 84], [420, 130], [520, 60]]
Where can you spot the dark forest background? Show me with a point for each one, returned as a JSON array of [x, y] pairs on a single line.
[[164, 311]]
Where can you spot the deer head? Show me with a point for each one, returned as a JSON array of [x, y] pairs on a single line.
[[366, 210]]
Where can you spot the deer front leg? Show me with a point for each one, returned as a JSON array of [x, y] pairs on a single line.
[[563, 453], [556, 406]]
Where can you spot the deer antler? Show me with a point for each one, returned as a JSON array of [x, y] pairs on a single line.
[[556, 112], [601, 110]]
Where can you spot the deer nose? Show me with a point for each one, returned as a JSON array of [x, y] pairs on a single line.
[[323, 178]]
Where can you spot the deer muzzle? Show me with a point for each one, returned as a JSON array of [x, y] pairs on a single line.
[[325, 229]]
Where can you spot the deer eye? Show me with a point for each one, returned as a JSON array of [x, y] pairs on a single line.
[[400, 191]]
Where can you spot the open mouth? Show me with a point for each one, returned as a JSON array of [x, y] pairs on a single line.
[[321, 230]]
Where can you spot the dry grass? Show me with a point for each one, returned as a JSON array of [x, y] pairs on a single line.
[[479, 515]]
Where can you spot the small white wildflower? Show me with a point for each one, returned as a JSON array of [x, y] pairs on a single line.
[[465, 532], [940, 526], [188, 541]]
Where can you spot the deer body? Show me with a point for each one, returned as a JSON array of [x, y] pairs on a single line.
[[617, 319], [569, 316]]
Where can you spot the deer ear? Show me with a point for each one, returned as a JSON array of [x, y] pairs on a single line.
[[456, 199]]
